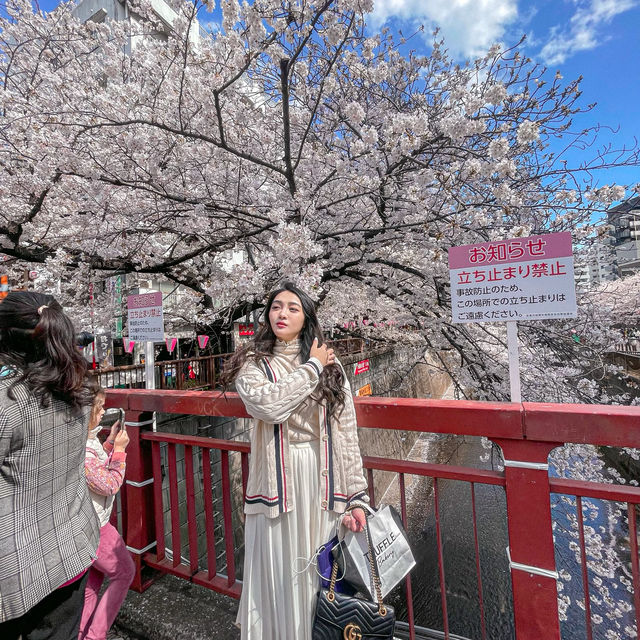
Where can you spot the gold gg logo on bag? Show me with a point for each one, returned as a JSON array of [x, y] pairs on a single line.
[[352, 632]]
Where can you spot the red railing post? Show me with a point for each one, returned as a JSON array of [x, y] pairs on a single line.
[[532, 555], [138, 516]]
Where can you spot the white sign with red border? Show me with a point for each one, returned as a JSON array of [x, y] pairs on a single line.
[[515, 279], [145, 320]]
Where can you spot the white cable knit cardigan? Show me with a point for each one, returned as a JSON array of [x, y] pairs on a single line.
[[271, 389]]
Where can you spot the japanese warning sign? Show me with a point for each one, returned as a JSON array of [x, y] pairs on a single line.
[[515, 279], [145, 319]]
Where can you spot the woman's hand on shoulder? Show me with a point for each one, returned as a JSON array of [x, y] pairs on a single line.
[[325, 355], [355, 520]]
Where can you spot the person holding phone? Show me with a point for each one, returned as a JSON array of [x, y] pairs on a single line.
[[105, 468]]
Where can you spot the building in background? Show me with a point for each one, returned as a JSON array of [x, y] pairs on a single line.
[[163, 16], [597, 263], [624, 224], [615, 252]]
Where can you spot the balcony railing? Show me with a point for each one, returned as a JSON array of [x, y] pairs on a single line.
[[191, 373], [631, 347], [526, 434]]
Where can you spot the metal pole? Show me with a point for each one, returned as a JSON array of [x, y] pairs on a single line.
[[514, 361], [149, 366]]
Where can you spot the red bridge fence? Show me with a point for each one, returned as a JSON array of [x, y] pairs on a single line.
[[526, 434]]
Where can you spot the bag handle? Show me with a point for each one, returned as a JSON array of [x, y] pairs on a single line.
[[375, 575]]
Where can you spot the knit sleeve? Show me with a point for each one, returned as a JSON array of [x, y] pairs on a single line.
[[352, 457], [273, 402], [105, 478]]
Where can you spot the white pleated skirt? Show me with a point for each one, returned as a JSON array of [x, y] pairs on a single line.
[[280, 584]]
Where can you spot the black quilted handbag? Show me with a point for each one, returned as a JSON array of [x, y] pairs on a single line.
[[342, 617]]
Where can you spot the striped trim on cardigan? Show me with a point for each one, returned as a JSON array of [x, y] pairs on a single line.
[[270, 502], [281, 476], [327, 426]]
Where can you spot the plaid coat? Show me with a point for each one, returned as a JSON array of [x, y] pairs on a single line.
[[48, 527]]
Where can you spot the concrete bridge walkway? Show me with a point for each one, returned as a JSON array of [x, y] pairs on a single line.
[[175, 609]]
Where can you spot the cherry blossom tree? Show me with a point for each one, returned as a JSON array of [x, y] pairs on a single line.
[[342, 160], [318, 152]]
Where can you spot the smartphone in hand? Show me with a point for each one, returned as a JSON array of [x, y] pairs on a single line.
[[111, 416]]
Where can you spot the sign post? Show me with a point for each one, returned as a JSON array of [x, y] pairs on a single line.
[[116, 292], [515, 279], [146, 324], [514, 361], [149, 366]]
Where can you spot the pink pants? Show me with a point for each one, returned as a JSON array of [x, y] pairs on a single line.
[[114, 562]]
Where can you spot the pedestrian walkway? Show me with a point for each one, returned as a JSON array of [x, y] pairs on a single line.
[[174, 609]]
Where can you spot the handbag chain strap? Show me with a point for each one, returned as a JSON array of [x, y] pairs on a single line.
[[382, 610]]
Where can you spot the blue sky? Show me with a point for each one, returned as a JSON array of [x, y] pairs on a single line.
[[597, 39]]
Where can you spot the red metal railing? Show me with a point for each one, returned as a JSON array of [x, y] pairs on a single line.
[[526, 433], [210, 577]]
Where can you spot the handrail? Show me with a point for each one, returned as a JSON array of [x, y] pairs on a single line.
[[344, 346], [611, 425], [595, 490], [198, 441]]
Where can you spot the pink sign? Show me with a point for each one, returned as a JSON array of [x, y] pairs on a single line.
[[128, 344], [532, 248], [202, 341], [171, 344], [361, 367], [514, 279], [145, 320], [153, 299]]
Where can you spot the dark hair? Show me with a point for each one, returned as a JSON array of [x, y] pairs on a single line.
[[37, 339], [330, 387]]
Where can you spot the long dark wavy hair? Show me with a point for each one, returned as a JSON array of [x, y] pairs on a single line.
[[37, 339], [330, 388]]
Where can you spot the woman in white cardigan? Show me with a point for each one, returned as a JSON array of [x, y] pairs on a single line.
[[305, 465]]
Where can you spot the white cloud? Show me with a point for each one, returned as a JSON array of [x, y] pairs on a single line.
[[211, 26], [584, 29], [469, 27]]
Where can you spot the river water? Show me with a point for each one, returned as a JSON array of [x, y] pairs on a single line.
[[461, 583], [463, 610]]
